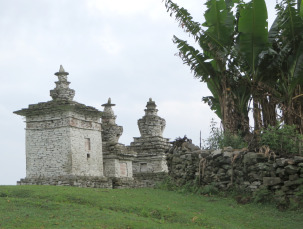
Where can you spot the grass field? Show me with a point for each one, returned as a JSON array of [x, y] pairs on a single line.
[[72, 207]]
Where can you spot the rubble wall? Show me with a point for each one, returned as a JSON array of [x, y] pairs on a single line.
[[246, 170]]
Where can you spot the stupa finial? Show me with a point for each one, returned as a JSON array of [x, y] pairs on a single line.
[[62, 90], [61, 69]]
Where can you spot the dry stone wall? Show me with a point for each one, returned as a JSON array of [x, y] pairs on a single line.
[[246, 170]]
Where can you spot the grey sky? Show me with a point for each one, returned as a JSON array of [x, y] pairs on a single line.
[[119, 49]]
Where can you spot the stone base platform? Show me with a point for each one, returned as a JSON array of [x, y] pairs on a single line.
[[78, 181], [140, 180]]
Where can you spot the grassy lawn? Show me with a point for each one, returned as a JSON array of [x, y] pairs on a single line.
[[71, 207]]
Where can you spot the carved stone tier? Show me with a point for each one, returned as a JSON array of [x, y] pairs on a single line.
[[151, 124], [151, 146], [111, 132]]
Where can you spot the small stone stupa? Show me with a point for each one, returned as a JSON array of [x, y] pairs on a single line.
[[117, 160], [151, 146], [111, 131]]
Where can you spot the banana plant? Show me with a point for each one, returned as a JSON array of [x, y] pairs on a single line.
[[214, 63], [288, 43], [252, 42]]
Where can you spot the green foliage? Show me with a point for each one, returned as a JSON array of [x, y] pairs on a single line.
[[262, 195], [218, 139], [209, 190], [190, 187], [253, 33], [297, 202], [282, 139], [167, 184], [239, 60]]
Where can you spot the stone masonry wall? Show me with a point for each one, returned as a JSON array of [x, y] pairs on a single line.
[[55, 145], [114, 167], [247, 170], [45, 147]]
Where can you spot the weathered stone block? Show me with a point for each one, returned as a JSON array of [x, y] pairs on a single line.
[[281, 162], [262, 166], [298, 159], [252, 157], [226, 166], [254, 177], [229, 172], [280, 171], [295, 182], [270, 181], [216, 153], [204, 153], [293, 177], [291, 169], [228, 154], [228, 149]]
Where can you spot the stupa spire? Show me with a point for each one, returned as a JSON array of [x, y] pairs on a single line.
[[62, 90], [108, 115]]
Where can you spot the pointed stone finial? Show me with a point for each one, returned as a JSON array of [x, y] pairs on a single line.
[[62, 74], [108, 115], [109, 103], [62, 90], [61, 69], [151, 107]]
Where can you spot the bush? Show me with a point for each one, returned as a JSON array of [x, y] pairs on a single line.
[[219, 139], [282, 139], [167, 184], [262, 195], [209, 190]]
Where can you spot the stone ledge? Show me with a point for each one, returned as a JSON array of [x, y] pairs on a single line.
[[78, 181]]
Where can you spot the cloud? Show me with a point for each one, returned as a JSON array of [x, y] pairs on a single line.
[[108, 41], [121, 7]]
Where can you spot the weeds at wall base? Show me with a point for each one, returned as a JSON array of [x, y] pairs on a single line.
[[262, 196]]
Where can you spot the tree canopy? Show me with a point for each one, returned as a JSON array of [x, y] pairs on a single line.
[[246, 66]]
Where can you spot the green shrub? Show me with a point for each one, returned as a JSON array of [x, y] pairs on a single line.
[[209, 190], [167, 184], [282, 139], [262, 195], [219, 139]]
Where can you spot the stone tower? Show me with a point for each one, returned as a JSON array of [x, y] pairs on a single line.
[[117, 161], [111, 131], [151, 146], [63, 138]]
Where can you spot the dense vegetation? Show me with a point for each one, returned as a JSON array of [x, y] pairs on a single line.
[[71, 207], [246, 66]]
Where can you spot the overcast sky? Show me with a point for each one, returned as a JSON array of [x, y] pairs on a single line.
[[111, 48]]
